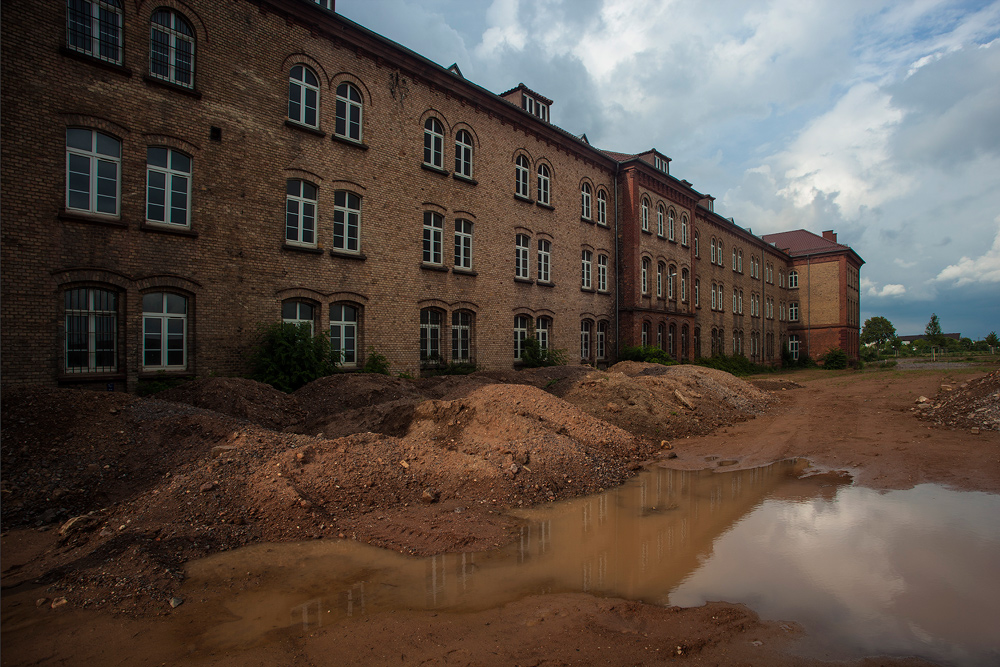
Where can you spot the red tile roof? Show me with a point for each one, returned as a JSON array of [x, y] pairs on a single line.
[[802, 242]]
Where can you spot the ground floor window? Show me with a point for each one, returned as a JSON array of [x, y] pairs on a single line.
[[298, 313], [344, 333], [585, 339], [164, 331], [793, 347], [521, 324], [601, 340], [430, 336], [91, 330], [461, 336], [543, 328]]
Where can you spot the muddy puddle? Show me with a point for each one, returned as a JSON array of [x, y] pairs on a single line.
[[863, 572]]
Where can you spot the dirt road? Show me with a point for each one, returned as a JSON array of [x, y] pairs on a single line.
[[865, 423]]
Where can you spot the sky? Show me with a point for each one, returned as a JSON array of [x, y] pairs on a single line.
[[879, 120]]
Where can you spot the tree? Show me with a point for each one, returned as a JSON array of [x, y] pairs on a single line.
[[933, 332], [877, 330], [992, 340]]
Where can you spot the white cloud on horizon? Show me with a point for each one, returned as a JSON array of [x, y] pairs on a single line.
[[982, 269]]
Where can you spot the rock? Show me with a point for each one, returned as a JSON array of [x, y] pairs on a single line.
[[512, 469], [683, 399], [672, 455], [665, 445], [430, 496], [78, 523], [975, 430], [221, 449], [404, 464], [922, 399], [58, 602], [207, 486], [40, 601], [176, 602]]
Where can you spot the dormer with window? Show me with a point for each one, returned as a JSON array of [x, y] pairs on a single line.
[[535, 104]]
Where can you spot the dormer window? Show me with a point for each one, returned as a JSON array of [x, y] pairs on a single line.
[[534, 107], [661, 164]]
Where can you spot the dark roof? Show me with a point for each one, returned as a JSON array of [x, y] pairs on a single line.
[[537, 96], [801, 242], [619, 157]]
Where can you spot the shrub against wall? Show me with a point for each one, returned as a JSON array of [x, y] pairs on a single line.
[[288, 356]]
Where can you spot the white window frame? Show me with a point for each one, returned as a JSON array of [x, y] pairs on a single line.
[[461, 336], [671, 280], [434, 143], [433, 238], [585, 201], [793, 311], [659, 221], [684, 230], [176, 187], [431, 328], [521, 252], [793, 280], [585, 340], [543, 329], [346, 222], [600, 340], [644, 276], [463, 243], [659, 279], [697, 293], [521, 325], [602, 207], [303, 96], [521, 171], [463, 154], [297, 318], [344, 332], [684, 288], [586, 268], [91, 329], [172, 324], [349, 118], [97, 158], [644, 334], [94, 28], [544, 185], [670, 224], [644, 214], [544, 274], [301, 213], [171, 38], [602, 273]]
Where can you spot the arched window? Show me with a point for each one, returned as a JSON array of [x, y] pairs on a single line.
[[544, 185], [585, 329], [521, 243], [684, 285], [734, 259], [585, 193], [659, 220], [91, 330], [602, 208], [543, 330], [171, 45], [713, 250], [433, 238], [684, 341], [164, 331], [672, 340], [300, 213], [168, 186], [670, 224], [740, 262], [600, 341], [344, 333], [720, 255], [95, 28], [684, 230], [349, 108], [463, 244], [521, 325], [645, 214], [303, 97], [299, 313], [644, 334], [659, 279], [544, 261], [793, 279], [93, 171], [697, 249], [714, 302], [586, 269], [346, 221], [697, 293], [644, 276], [697, 342], [521, 170], [671, 280], [602, 273], [433, 143], [463, 154], [660, 329], [430, 336]]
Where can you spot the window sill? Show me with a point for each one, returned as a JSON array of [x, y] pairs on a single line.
[[527, 200], [92, 218], [465, 179], [83, 57], [349, 142], [589, 290], [545, 283], [434, 267], [302, 248], [176, 230], [604, 225], [159, 373], [295, 125], [434, 170], [348, 255], [190, 92], [646, 231], [674, 241], [458, 271], [604, 292], [547, 207], [589, 221], [526, 281], [113, 376]]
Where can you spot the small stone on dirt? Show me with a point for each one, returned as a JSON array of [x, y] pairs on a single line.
[[176, 602], [58, 602], [207, 486], [430, 496]]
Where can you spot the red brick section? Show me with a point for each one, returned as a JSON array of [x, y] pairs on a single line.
[[233, 264]]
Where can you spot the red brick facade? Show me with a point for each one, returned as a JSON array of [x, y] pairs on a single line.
[[263, 217]]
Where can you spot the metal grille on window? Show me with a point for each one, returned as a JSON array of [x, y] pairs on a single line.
[[91, 330], [171, 45], [95, 27]]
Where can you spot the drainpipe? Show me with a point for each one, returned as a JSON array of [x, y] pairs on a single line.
[[809, 303], [618, 270]]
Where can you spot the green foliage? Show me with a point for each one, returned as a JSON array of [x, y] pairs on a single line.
[[877, 330], [533, 356], [965, 343], [288, 356], [933, 332], [646, 353], [403, 375], [869, 353], [992, 340], [375, 363], [887, 364], [834, 359]]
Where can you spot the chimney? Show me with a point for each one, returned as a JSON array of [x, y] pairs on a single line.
[[830, 235]]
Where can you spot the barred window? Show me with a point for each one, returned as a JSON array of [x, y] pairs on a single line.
[[461, 336], [94, 27], [91, 330], [171, 45]]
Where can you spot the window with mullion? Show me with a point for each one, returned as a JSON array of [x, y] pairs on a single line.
[[91, 330], [346, 221], [602, 207], [463, 154], [300, 213], [659, 221], [521, 256], [171, 46], [544, 183], [303, 96], [521, 324], [164, 326], [585, 195], [433, 143], [586, 262], [670, 225], [349, 110], [463, 244], [521, 187], [461, 336], [600, 340], [344, 333], [585, 339], [94, 27], [544, 260], [93, 169], [430, 336], [543, 327], [602, 273], [433, 233], [168, 186], [299, 313]]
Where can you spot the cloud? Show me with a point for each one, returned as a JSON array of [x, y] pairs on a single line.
[[903, 264], [869, 287], [983, 269]]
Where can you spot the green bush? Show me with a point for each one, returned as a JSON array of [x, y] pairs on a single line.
[[533, 356], [375, 363], [287, 356], [834, 359], [646, 353]]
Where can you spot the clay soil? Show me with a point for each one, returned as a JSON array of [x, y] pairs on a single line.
[[107, 496]]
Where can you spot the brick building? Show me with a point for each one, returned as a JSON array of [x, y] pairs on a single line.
[[176, 173]]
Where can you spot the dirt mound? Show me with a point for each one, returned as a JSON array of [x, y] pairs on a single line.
[[254, 401], [972, 404], [348, 403], [775, 384], [666, 402]]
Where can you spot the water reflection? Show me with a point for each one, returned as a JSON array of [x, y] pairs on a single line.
[[910, 572]]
